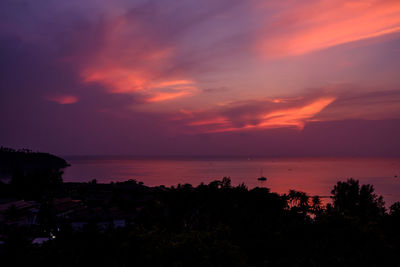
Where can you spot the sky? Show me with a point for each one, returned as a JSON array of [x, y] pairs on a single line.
[[211, 77]]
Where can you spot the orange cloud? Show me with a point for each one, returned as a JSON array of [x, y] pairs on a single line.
[[118, 80], [218, 120], [168, 90], [314, 25], [63, 99], [127, 81], [297, 116], [173, 83], [186, 112], [162, 96], [287, 117], [133, 61]]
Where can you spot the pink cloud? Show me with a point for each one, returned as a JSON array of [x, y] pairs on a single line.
[[133, 60], [257, 115], [307, 26], [338, 103], [63, 99]]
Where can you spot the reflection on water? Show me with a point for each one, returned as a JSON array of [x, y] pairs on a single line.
[[314, 176]]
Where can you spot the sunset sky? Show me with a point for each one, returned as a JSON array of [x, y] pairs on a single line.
[[209, 77]]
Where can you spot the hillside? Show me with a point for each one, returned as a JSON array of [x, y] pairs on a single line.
[[27, 160]]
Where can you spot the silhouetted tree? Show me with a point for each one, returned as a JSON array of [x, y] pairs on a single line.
[[352, 200], [316, 204], [395, 209], [298, 201]]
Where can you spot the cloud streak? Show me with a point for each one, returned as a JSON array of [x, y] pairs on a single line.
[[308, 26], [261, 115], [143, 51], [133, 60], [340, 103], [63, 99]]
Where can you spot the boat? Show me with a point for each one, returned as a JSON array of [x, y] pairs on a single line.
[[262, 178]]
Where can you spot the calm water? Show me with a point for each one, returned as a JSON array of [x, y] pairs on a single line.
[[314, 176]]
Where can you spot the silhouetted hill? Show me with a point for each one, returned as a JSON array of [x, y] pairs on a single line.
[[27, 160]]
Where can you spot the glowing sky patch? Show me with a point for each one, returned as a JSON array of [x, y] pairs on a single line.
[[314, 25], [163, 96], [290, 117], [63, 99], [126, 82], [119, 80], [296, 117]]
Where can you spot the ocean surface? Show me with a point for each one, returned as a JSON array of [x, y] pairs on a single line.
[[316, 176]]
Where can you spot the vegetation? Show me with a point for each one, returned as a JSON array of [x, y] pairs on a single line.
[[12, 160], [221, 225]]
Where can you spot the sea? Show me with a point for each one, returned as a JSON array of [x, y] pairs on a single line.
[[315, 176]]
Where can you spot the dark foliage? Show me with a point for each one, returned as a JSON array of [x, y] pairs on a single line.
[[215, 225], [352, 200], [12, 160]]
